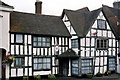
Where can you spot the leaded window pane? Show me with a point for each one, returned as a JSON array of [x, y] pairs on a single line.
[[41, 42], [101, 44], [19, 38], [101, 24], [19, 62], [42, 63], [35, 39], [35, 66]]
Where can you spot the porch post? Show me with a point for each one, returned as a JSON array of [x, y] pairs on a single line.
[[69, 72]]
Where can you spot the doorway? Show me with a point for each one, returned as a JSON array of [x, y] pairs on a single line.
[[2, 67], [63, 67]]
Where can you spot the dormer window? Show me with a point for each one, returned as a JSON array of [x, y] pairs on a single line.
[[101, 24]]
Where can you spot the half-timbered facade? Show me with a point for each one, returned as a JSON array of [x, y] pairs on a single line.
[[83, 41], [93, 39], [34, 41]]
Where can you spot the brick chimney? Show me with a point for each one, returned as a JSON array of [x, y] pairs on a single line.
[[38, 7], [116, 4]]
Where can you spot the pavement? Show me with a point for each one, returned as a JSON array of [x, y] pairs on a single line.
[[110, 77]]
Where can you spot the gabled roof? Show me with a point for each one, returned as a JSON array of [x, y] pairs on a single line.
[[37, 24], [82, 19], [113, 17], [5, 5]]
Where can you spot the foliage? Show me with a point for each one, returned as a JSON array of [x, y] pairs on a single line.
[[107, 72], [99, 74], [37, 77], [51, 76], [25, 78], [89, 75], [8, 59]]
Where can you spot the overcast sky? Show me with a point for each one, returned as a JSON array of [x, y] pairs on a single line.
[[55, 7]]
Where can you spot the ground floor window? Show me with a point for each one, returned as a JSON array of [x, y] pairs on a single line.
[[42, 63], [112, 64], [86, 66], [19, 61], [75, 67]]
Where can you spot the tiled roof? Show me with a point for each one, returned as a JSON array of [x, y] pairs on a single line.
[[113, 17], [37, 24], [82, 19]]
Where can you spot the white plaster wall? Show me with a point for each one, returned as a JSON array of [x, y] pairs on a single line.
[[1, 31], [4, 32]]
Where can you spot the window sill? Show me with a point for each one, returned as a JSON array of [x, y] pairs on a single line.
[[42, 70]]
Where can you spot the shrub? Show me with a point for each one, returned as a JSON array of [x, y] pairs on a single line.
[[99, 74], [51, 76], [89, 75], [37, 77], [108, 73], [25, 78]]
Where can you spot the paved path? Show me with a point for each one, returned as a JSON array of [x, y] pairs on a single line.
[[112, 77]]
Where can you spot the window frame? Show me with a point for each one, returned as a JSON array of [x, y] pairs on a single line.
[[73, 43], [15, 38], [103, 47], [42, 69], [87, 65], [75, 67], [37, 41], [22, 62], [111, 63], [102, 24]]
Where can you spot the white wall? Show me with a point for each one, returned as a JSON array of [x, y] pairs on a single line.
[[4, 31]]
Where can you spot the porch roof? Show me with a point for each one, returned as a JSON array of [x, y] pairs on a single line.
[[68, 54]]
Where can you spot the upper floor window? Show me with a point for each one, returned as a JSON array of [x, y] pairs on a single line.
[[42, 63], [19, 38], [19, 62], [74, 43], [101, 24], [41, 41], [102, 44]]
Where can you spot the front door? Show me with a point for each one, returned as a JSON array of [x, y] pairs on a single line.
[[2, 67], [63, 67]]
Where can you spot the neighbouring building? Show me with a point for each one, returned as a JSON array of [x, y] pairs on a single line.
[[78, 42], [95, 39], [5, 10]]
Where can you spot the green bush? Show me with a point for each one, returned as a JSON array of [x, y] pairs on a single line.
[[99, 74], [89, 75], [37, 77], [25, 78], [51, 76]]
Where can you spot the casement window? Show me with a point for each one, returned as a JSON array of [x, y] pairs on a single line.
[[101, 24], [19, 38], [112, 64], [42, 63], [41, 42], [86, 66], [19, 62], [74, 43], [101, 44], [75, 67]]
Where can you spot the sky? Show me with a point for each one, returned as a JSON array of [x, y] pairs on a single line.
[[55, 7]]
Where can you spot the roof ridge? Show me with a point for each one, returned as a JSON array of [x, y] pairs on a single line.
[[34, 14]]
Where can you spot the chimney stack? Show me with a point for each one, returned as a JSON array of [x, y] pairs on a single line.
[[38, 7], [116, 4]]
